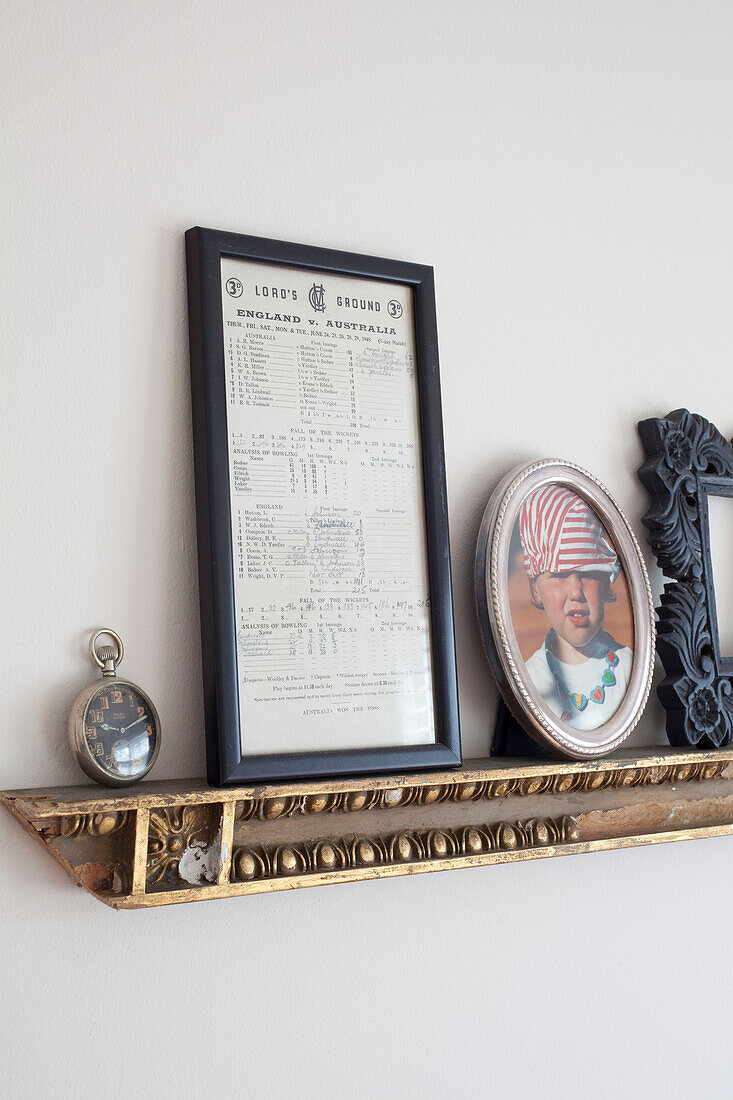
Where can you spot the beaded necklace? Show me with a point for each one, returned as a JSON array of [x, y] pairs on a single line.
[[595, 695]]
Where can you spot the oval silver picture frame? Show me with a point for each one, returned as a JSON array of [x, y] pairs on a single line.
[[497, 625]]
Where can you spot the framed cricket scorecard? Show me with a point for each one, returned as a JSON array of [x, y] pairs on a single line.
[[324, 570]]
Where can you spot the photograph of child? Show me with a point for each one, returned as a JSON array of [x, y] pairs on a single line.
[[567, 592]]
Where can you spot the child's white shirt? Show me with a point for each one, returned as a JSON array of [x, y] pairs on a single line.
[[548, 673]]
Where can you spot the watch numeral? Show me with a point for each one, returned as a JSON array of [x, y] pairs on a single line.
[[140, 711], [98, 749], [116, 696], [96, 715], [104, 702]]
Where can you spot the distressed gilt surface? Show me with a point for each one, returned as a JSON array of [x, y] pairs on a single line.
[[160, 843]]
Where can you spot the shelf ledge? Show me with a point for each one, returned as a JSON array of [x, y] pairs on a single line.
[[162, 843]]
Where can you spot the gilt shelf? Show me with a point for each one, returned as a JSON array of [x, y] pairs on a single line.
[[162, 843]]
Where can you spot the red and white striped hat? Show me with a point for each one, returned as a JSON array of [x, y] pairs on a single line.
[[561, 533]]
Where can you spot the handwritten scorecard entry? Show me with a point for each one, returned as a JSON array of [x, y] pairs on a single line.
[[328, 524]]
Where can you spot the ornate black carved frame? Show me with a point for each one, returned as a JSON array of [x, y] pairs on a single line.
[[688, 460]]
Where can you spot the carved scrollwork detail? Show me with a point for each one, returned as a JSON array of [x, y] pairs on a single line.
[[679, 449], [320, 803], [407, 846], [432, 794], [173, 831], [102, 824], [328, 857], [275, 807], [699, 702], [687, 457], [529, 785], [439, 844], [245, 810]]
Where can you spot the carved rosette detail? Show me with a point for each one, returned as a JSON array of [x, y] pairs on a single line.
[[171, 832], [318, 856], [270, 809]]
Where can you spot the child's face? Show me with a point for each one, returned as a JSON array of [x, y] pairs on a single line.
[[573, 602]]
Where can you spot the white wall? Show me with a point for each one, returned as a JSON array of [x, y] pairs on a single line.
[[567, 169]]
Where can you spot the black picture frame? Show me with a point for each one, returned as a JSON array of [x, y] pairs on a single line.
[[687, 462], [226, 763]]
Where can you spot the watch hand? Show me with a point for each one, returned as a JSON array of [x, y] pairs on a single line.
[[114, 729], [140, 719]]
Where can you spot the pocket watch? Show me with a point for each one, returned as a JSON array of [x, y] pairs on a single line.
[[114, 729]]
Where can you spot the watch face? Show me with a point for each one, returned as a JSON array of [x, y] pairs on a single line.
[[119, 730]]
